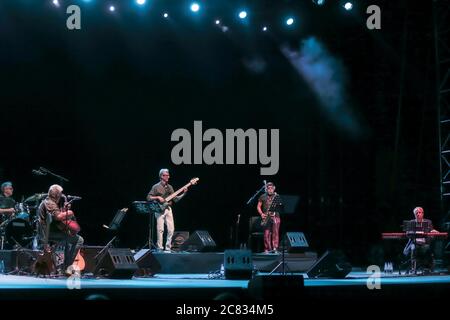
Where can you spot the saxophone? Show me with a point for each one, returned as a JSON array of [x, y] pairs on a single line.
[[269, 213]]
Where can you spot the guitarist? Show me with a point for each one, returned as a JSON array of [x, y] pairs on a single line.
[[55, 221], [269, 209], [159, 192]]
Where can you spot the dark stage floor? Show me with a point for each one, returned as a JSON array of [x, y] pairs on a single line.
[[173, 282]]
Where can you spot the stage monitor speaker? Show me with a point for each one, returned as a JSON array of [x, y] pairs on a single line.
[[276, 287], [332, 264], [296, 242], [199, 241], [147, 263], [116, 263], [179, 237], [238, 264]]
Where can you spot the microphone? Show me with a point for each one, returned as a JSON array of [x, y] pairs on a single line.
[[43, 169], [73, 197], [265, 182], [38, 172]]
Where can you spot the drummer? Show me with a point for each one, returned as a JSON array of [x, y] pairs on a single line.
[[7, 203]]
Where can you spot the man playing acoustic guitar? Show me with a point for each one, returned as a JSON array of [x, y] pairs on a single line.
[[268, 207], [55, 216]]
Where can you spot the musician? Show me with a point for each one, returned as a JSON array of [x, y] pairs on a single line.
[[419, 247], [7, 203], [54, 214], [159, 192], [272, 228]]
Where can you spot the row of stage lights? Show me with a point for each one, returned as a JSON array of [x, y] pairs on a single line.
[[195, 7]]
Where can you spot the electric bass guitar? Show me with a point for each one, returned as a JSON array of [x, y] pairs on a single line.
[[158, 207]]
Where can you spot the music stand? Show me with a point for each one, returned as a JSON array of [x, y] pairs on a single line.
[[143, 207], [289, 206]]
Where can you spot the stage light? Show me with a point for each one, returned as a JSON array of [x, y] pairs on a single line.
[[348, 6], [112, 8], [319, 2], [165, 15], [243, 14], [264, 29], [290, 21], [140, 2], [55, 3], [217, 22], [195, 7]]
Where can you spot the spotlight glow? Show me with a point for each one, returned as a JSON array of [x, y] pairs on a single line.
[[217, 22], [348, 6], [290, 21], [165, 15], [56, 3], [140, 2], [112, 8], [243, 14], [319, 2], [264, 29], [195, 7]]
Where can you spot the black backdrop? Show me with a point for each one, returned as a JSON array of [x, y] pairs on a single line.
[[98, 106]]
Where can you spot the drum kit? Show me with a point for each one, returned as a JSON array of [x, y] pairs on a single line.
[[20, 228]]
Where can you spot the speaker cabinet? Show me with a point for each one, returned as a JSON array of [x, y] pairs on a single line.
[[332, 264], [296, 242], [116, 263], [179, 237], [238, 264], [148, 265], [199, 241]]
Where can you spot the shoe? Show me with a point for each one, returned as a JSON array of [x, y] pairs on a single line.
[[167, 251]]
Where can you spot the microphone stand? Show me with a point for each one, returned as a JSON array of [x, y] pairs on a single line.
[[254, 196], [57, 176]]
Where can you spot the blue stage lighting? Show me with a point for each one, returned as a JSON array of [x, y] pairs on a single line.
[[348, 6], [112, 8], [195, 7], [217, 22], [140, 2], [55, 3], [264, 29], [319, 2], [165, 15], [290, 21], [243, 14]]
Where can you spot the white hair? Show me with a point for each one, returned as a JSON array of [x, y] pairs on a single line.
[[53, 190], [163, 171], [416, 209]]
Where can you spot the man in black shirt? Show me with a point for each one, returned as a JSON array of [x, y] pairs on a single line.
[[418, 246], [7, 203], [268, 207]]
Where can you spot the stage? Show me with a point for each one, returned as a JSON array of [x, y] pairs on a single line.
[[203, 287], [196, 276]]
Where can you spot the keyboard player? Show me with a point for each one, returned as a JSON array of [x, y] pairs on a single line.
[[419, 244]]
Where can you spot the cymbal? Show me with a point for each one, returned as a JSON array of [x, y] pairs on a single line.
[[36, 197]]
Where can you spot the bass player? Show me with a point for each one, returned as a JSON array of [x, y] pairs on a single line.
[[159, 192]]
